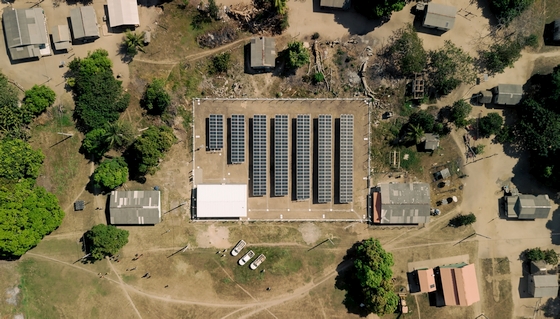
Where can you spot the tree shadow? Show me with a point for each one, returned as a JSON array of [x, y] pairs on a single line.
[[352, 20], [348, 281], [551, 308]]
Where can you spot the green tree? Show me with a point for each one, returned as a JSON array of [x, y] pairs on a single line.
[[280, 6], [318, 78], [502, 55], [490, 124], [462, 220], [507, 10], [38, 99], [534, 254], [373, 269], [422, 119], [478, 149], [98, 96], [297, 55], [111, 173], [414, 133], [18, 160], [220, 63], [213, 10], [118, 135], [156, 99], [378, 8], [27, 214], [148, 149], [449, 67], [12, 117], [133, 42], [95, 143], [459, 112], [104, 240], [407, 51]]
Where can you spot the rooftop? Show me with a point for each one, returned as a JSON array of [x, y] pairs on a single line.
[[440, 16], [25, 31], [459, 285], [528, 206], [427, 280], [61, 37], [123, 12], [431, 142], [263, 52], [135, 207], [84, 22], [545, 285], [338, 4], [402, 203], [508, 94], [221, 201]]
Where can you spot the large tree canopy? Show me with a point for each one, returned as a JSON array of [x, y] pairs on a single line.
[[27, 214], [98, 95], [111, 173], [406, 51], [449, 67], [146, 152], [378, 8], [156, 99], [18, 160], [506, 10], [104, 240], [38, 99]]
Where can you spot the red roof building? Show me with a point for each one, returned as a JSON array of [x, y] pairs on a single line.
[[459, 285], [426, 280]]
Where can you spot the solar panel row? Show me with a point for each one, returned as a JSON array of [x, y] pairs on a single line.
[[259, 155], [303, 158], [237, 147], [346, 157], [215, 132], [281, 133], [324, 159]]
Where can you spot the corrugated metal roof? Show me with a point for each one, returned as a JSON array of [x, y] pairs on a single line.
[[543, 285], [25, 32], [508, 94], [61, 37], [531, 206], [459, 285], [339, 4], [84, 23], [123, 12], [431, 141], [221, 200], [440, 16], [135, 207], [405, 203], [427, 280], [263, 52]]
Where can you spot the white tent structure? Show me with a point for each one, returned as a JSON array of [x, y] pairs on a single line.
[[123, 13], [221, 201]]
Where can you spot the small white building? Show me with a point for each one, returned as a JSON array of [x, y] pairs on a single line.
[[123, 13], [221, 201]]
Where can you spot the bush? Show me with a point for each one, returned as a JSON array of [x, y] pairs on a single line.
[[462, 220], [532, 41], [459, 112], [220, 63], [104, 240], [378, 9], [315, 36], [213, 10], [478, 149], [111, 174], [536, 254], [38, 99], [156, 99], [505, 135], [490, 124], [297, 55], [318, 78]]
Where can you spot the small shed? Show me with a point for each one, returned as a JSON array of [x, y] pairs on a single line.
[[556, 31], [263, 53], [485, 97], [147, 37], [543, 284], [426, 280], [508, 94], [84, 24], [79, 205], [431, 142], [336, 4], [443, 174], [439, 16], [61, 37]]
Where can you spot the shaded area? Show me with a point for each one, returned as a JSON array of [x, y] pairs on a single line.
[[351, 19]]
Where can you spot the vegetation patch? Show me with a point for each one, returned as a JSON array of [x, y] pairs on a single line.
[[279, 262]]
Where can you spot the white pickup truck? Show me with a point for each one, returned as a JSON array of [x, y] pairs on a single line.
[[238, 248], [258, 261], [250, 254]]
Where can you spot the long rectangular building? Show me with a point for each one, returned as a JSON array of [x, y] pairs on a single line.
[[135, 207], [346, 158], [324, 159]]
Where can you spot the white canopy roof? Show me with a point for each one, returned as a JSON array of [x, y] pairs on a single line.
[[221, 200], [123, 12]]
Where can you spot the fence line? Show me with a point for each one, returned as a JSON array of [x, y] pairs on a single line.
[[282, 99], [281, 220]]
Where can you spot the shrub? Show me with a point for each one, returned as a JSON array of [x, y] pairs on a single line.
[[297, 55], [462, 220], [156, 99], [459, 112], [220, 63], [315, 36], [318, 77], [537, 254], [478, 149]]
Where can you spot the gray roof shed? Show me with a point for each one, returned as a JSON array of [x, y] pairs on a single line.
[[440, 16], [263, 53], [528, 206], [543, 285], [26, 33], [431, 142], [84, 23], [135, 207], [485, 97], [337, 4], [508, 94], [61, 37], [405, 203]]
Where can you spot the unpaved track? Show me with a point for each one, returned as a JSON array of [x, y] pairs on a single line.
[[121, 284]]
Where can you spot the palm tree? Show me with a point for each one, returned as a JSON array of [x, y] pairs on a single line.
[[280, 6], [119, 135], [133, 42], [414, 133]]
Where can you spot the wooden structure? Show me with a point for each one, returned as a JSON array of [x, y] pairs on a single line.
[[418, 86]]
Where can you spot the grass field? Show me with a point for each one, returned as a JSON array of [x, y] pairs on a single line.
[[496, 284]]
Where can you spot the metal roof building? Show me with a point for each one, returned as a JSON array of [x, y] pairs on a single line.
[[439, 16], [61, 37], [431, 142], [123, 13], [26, 33], [459, 284], [426, 280], [221, 201], [84, 23], [337, 4], [528, 206], [263, 53], [543, 285], [508, 94], [401, 203], [135, 207]]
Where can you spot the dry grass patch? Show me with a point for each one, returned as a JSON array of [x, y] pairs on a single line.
[[496, 292]]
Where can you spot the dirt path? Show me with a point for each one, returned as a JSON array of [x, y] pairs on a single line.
[[121, 284], [83, 190]]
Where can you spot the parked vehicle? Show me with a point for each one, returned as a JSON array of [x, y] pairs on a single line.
[[238, 248], [250, 254], [258, 261]]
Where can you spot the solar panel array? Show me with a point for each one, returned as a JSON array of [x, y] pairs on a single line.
[[324, 159], [281, 172], [259, 155], [346, 157], [237, 147], [215, 132], [303, 158]]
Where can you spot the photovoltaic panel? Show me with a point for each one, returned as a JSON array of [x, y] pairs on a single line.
[[303, 152], [215, 132], [237, 147], [346, 157], [281, 133], [324, 159], [259, 155]]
